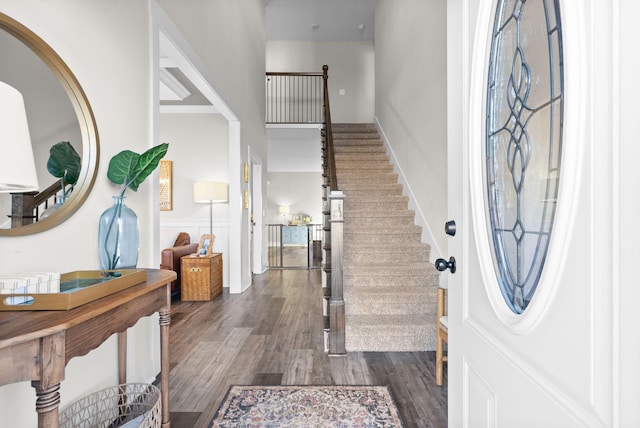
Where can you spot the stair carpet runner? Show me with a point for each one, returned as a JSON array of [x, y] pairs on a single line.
[[389, 283]]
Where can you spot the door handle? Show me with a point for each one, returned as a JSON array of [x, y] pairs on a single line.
[[442, 265], [450, 228]]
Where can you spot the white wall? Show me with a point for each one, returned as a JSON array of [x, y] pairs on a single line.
[[229, 37], [113, 69], [626, 251], [410, 69], [295, 173], [300, 191], [351, 67], [199, 151], [294, 149]]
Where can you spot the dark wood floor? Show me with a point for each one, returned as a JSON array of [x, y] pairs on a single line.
[[272, 335]]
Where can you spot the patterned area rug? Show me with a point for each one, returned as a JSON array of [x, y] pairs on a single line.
[[308, 406]]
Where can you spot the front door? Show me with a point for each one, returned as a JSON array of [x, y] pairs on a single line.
[[538, 303]]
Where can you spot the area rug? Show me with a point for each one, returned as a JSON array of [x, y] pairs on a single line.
[[308, 406]]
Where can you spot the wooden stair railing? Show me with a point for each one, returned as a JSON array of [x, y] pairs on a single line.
[[26, 207], [334, 224], [303, 98]]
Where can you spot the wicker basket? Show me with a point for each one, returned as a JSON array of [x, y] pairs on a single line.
[[126, 405]]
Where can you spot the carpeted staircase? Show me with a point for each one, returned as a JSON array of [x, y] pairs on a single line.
[[389, 283]]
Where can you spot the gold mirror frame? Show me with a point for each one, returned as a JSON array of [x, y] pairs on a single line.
[[86, 121]]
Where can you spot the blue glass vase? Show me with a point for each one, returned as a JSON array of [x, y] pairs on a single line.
[[118, 236]]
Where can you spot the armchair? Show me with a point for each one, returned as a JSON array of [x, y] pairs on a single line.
[[170, 257]]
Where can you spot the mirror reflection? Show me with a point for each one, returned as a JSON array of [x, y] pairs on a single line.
[[59, 118]]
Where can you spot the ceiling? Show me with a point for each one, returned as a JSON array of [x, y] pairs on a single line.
[[316, 20], [320, 20]]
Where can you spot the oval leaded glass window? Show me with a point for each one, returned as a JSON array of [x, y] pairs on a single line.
[[523, 141]]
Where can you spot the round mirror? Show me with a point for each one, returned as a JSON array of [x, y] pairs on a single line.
[[58, 113]]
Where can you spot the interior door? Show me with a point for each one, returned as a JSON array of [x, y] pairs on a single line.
[[552, 363]]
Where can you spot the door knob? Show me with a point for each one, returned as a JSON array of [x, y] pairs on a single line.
[[442, 264], [450, 228]]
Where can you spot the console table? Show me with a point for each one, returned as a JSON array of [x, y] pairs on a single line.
[[37, 345]]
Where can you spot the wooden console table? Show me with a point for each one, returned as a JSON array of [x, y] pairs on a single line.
[[37, 345]]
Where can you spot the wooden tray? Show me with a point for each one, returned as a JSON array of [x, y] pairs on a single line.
[[77, 288]]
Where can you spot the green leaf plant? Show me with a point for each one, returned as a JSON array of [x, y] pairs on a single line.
[[64, 163], [130, 169]]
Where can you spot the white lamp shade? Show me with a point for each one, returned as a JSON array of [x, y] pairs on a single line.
[[283, 210], [210, 192], [17, 167]]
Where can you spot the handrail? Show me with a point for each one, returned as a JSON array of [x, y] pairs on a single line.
[[334, 225], [48, 193], [289, 101], [333, 178], [292, 73], [25, 207]]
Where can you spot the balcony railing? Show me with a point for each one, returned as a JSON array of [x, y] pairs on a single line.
[[294, 98]]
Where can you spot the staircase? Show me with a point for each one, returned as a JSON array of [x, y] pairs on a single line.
[[389, 283]]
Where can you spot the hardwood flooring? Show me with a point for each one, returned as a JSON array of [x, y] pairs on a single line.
[[272, 335], [293, 257]]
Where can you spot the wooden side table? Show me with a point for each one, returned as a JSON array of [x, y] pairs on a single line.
[[201, 277], [37, 345]]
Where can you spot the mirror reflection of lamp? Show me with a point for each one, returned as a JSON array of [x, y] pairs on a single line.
[[17, 166], [283, 210], [210, 192]]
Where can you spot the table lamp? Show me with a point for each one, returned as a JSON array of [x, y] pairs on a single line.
[[17, 167], [284, 210]]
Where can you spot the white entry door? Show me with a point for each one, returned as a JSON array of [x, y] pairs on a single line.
[[566, 355]]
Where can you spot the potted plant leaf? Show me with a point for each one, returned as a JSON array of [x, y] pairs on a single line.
[[118, 232], [64, 163]]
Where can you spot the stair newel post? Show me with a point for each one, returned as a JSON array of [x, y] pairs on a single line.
[[22, 209], [336, 305], [326, 264], [326, 227]]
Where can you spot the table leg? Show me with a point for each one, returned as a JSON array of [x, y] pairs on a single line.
[[122, 357], [165, 320], [47, 402], [51, 372]]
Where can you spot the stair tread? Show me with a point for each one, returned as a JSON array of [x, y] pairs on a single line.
[[390, 319], [391, 195], [390, 269], [384, 290], [410, 246], [361, 211], [390, 230]]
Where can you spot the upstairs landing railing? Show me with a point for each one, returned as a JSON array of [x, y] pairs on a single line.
[[303, 98], [294, 98]]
